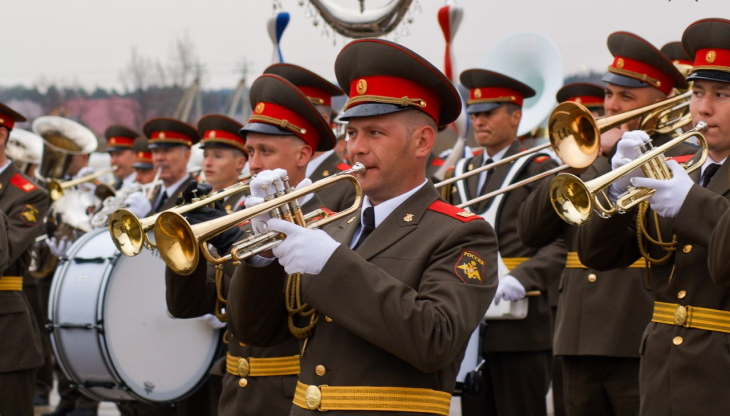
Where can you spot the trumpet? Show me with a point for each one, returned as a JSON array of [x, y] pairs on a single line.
[[178, 241], [129, 233], [57, 188], [574, 200]]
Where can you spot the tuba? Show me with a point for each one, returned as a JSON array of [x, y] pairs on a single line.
[[62, 139]]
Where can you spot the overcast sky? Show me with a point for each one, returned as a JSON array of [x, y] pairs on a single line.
[[90, 41]]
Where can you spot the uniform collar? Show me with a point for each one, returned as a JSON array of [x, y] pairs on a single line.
[[5, 166], [316, 162], [497, 156]]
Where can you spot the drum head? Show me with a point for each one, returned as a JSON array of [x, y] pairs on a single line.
[[160, 358]]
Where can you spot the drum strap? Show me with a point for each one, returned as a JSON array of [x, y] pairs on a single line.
[[11, 283], [383, 399]]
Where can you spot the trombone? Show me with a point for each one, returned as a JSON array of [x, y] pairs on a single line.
[[178, 241], [56, 188], [129, 233], [574, 200]]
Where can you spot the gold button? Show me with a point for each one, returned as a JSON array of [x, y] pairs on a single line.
[[677, 340], [327, 318], [592, 277], [320, 370], [687, 248], [242, 382], [682, 294]]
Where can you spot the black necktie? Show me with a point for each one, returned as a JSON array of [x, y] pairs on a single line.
[[162, 201], [710, 171], [482, 191], [368, 219]]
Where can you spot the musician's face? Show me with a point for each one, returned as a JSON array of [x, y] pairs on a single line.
[[622, 99], [222, 166], [172, 162], [123, 160], [710, 103], [267, 152], [144, 175], [496, 129]]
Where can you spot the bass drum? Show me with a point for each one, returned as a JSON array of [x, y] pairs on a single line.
[[110, 330]]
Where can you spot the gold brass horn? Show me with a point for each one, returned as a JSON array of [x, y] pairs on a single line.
[[179, 242], [56, 188], [574, 201], [129, 233]]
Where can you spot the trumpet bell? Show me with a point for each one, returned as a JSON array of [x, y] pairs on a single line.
[[574, 134], [179, 252], [571, 199], [127, 232]]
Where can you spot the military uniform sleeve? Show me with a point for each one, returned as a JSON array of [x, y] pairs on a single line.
[[718, 256], [25, 222], [543, 268], [538, 223], [426, 326], [192, 295], [609, 243], [4, 254], [699, 215]]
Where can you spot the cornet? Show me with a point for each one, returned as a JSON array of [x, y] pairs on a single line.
[[129, 233], [178, 241], [56, 188], [574, 200]]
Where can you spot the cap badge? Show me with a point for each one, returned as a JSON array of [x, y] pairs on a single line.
[[477, 93], [140, 155], [710, 57], [259, 108], [619, 63], [578, 100], [161, 135], [212, 134], [362, 86]]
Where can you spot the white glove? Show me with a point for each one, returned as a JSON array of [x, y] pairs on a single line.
[[627, 150], [266, 178], [138, 204], [258, 223], [212, 320], [303, 250], [670, 193], [509, 289], [58, 248]]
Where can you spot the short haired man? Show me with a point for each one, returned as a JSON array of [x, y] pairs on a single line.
[[120, 146]]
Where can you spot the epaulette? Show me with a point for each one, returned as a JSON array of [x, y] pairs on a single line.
[[540, 159], [682, 159], [343, 166], [438, 162], [21, 183], [454, 212]]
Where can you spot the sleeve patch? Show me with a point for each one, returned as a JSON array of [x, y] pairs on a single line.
[[454, 212], [21, 183], [29, 215], [470, 267]]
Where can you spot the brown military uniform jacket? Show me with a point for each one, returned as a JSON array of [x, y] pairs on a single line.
[[683, 370], [171, 199], [534, 333], [25, 206], [599, 313], [194, 295], [337, 197], [397, 312]]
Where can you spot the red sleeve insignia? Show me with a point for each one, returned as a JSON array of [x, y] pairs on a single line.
[[29, 215], [470, 267], [21, 183], [454, 212]]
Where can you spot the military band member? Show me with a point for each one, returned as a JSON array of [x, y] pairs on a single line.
[[684, 349], [323, 164], [23, 206], [510, 348], [120, 146], [398, 287], [599, 356], [680, 59], [143, 166]]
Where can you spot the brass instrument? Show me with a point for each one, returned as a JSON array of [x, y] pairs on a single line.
[[178, 241], [57, 188], [574, 200], [129, 233]]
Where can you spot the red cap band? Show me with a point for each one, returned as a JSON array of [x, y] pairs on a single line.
[[643, 72], [280, 116], [171, 137], [394, 90], [7, 121], [587, 100], [316, 95], [712, 59], [495, 95], [120, 142], [144, 157], [225, 137]]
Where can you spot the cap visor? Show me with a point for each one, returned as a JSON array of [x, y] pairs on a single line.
[[153, 145], [481, 107], [718, 76], [623, 81], [371, 109], [142, 165], [264, 128]]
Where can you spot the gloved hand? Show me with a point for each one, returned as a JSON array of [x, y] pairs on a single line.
[[258, 224], [223, 241], [267, 178], [87, 186], [670, 193], [211, 320], [58, 247], [138, 204], [303, 250], [193, 190], [509, 289], [627, 150]]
